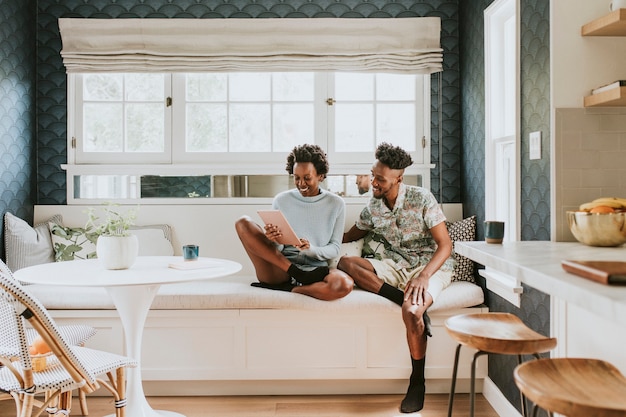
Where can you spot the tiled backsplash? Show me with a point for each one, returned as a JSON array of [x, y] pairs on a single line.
[[589, 160]]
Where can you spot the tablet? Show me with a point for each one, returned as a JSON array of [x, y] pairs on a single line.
[[277, 218]]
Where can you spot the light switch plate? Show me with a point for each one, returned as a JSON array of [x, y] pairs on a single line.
[[534, 147]]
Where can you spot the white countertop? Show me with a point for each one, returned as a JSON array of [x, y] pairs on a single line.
[[538, 265]]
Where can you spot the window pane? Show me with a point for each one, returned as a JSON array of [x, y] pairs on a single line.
[[293, 125], [206, 128], [156, 186], [105, 186], [249, 86], [103, 127], [250, 128], [395, 87], [354, 128], [395, 123], [206, 87], [145, 127], [144, 87], [207, 186], [293, 86], [103, 87], [354, 86], [508, 77]]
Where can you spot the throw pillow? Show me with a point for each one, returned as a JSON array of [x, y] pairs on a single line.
[[462, 230], [154, 240], [72, 243], [347, 249], [27, 245]]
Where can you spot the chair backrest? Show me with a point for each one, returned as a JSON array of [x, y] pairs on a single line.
[[16, 305]]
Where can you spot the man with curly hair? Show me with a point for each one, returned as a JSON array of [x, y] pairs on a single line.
[[416, 264], [318, 218]]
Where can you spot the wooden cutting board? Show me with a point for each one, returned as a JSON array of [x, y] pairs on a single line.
[[604, 272]]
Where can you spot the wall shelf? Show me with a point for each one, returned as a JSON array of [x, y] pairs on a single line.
[[612, 24], [611, 98]]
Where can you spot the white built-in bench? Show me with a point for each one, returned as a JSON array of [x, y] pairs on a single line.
[[224, 337]]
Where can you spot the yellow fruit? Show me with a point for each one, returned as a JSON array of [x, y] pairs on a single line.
[[602, 209]]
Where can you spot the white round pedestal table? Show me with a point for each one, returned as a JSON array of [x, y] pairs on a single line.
[[132, 291]]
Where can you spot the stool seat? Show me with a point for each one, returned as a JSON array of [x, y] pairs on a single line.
[[502, 333], [497, 333], [574, 387]]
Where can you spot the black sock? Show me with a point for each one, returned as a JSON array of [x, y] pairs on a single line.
[[414, 399], [285, 286], [392, 293], [308, 277]]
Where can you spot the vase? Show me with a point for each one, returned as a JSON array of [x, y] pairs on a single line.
[[117, 252]]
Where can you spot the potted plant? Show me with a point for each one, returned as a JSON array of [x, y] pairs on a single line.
[[116, 247]]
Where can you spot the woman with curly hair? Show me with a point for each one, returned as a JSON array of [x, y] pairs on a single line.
[[318, 218]]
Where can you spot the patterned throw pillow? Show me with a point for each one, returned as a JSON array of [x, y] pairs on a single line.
[[72, 243], [462, 230]]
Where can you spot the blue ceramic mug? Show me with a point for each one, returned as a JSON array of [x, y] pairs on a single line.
[[190, 252], [494, 231]]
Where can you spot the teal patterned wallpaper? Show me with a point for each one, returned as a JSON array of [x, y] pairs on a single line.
[[17, 102], [535, 175], [51, 78]]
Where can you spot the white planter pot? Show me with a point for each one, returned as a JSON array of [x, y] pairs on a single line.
[[117, 252]]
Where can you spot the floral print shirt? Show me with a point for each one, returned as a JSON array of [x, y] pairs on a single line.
[[405, 230]]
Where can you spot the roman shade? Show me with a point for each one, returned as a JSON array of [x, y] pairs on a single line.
[[402, 45]]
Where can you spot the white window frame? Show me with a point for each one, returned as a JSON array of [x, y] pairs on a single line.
[[502, 148], [240, 163], [75, 121]]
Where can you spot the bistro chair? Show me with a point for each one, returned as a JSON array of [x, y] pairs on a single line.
[[67, 367], [501, 333], [573, 387], [74, 334]]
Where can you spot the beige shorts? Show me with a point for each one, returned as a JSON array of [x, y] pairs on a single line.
[[388, 271]]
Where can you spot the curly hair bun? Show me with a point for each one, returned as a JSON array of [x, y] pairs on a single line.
[[308, 153], [393, 156]]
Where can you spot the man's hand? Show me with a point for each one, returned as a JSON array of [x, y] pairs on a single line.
[[416, 290]]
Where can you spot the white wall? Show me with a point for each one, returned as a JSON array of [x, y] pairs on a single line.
[[579, 63]]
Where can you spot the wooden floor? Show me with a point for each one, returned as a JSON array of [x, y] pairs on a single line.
[[436, 405]]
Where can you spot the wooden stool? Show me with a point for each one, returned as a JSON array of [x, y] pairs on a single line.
[[574, 387], [502, 333]]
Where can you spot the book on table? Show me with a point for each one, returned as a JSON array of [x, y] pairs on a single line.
[[197, 264], [604, 272]]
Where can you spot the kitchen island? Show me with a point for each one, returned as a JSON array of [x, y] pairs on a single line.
[[588, 318]]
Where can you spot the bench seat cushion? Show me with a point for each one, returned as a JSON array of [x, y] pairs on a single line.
[[235, 292]]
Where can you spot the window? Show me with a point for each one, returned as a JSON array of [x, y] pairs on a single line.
[[122, 118], [501, 143], [236, 123]]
